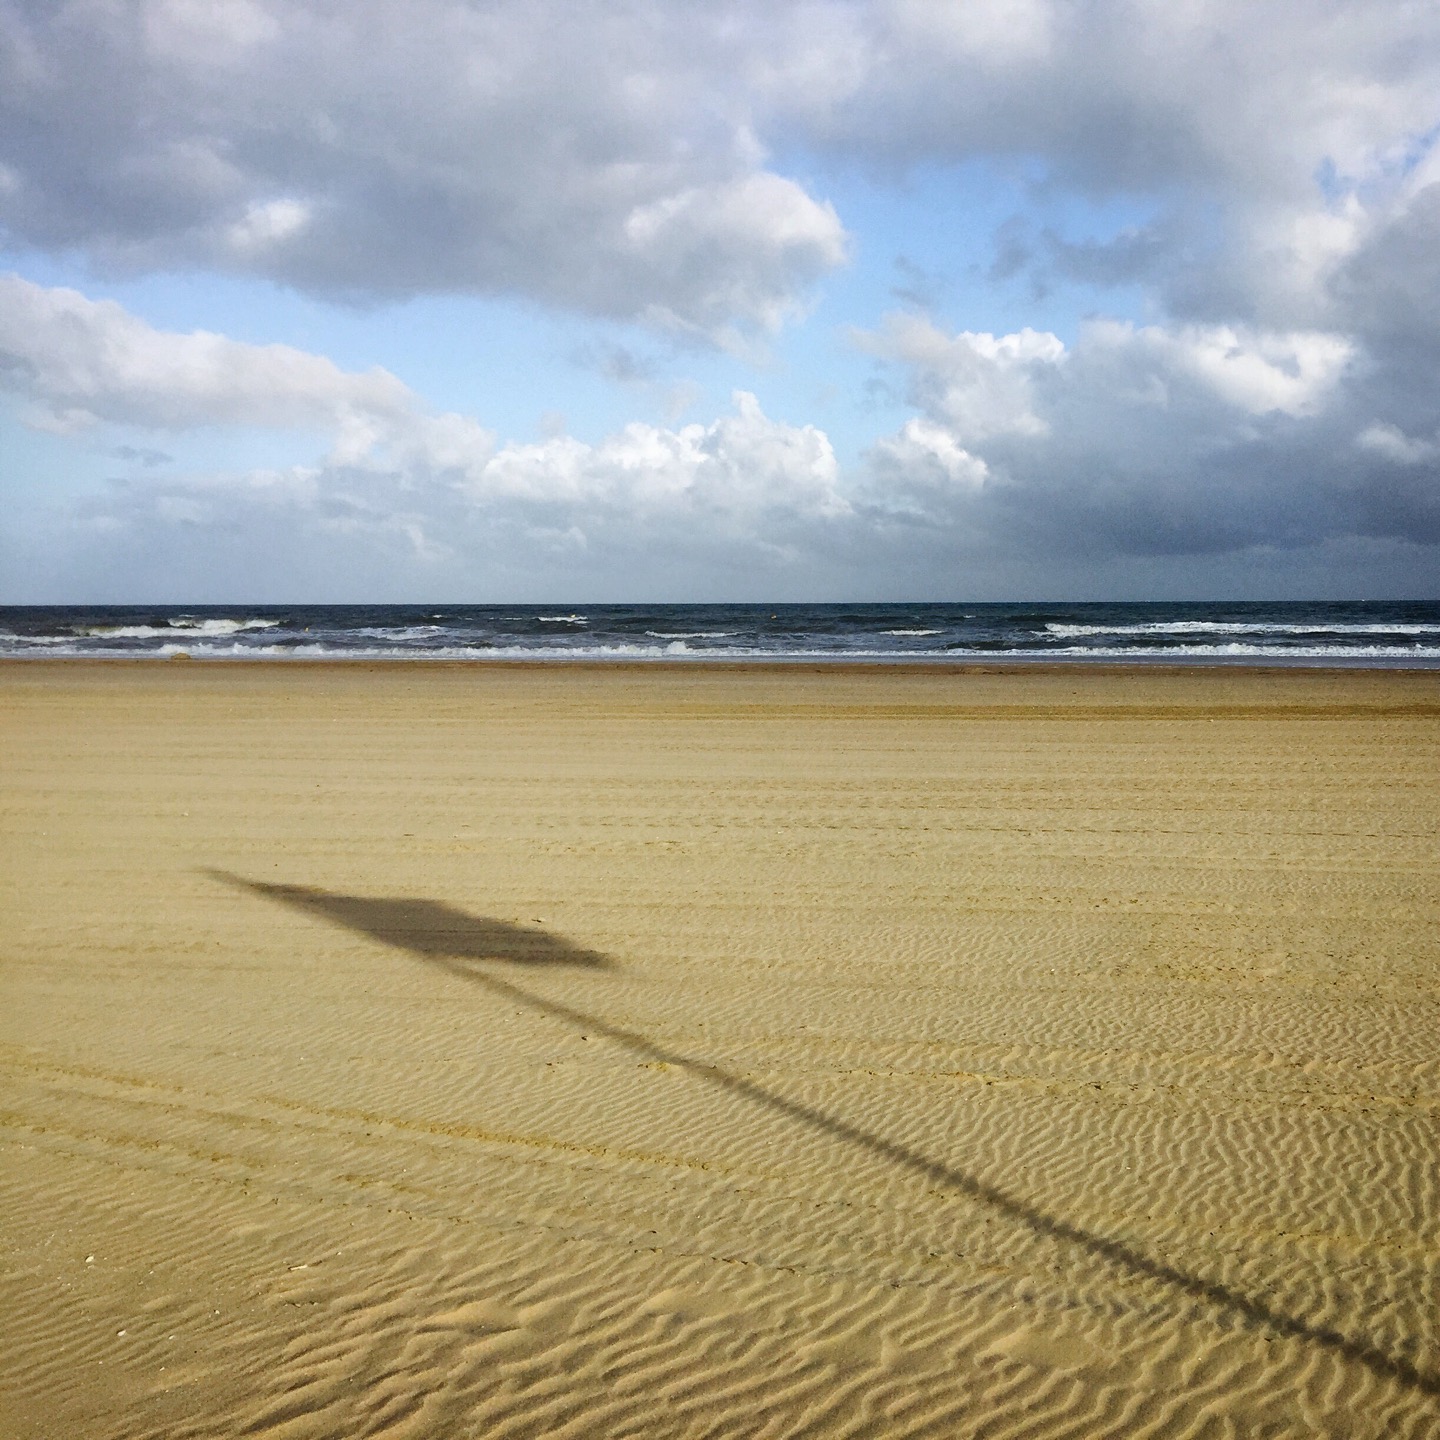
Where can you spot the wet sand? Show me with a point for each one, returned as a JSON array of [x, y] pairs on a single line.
[[563, 1051]]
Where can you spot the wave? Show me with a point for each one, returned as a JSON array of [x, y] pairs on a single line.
[[399, 632], [185, 624], [563, 619], [691, 634], [1242, 627], [1237, 649], [912, 632], [678, 649]]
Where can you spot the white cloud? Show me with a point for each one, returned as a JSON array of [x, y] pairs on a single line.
[[977, 385], [266, 224], [393, 473], [206, 31], [1392, 442], [689, 235], [924, 472], [745, 497], [740, 473], [1255, 371], [80, 361], [994, 33]]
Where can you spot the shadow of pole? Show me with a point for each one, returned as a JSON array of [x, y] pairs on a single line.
[[472, 938]]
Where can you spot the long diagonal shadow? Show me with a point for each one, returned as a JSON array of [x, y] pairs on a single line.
[[454, 940]]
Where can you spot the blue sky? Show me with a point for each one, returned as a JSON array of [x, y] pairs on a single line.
[[878, 300]]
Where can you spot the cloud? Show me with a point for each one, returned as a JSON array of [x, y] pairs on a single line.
[[79, 361], [1139, 441], [976, 385], [616, 362], [617, 160], [394, 482], [1255, 372], [1279, 148], [1024, 458], [916, 286], [735, 503], [589, 157], [1392, 442]]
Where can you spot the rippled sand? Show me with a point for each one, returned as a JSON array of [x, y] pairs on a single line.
[[684, 1052]]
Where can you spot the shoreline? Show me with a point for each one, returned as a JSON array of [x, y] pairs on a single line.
[[1008, 666]]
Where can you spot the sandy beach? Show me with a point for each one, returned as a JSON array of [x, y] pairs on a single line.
[[491, 1051]]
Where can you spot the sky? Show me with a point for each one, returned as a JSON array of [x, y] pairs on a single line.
[[441, 300]]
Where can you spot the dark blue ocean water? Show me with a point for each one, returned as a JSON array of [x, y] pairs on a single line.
[[1365, 633]]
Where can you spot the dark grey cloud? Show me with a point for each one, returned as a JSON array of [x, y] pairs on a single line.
[[1388, 289], [1145, 443], [1136, 256], [1014, 249]]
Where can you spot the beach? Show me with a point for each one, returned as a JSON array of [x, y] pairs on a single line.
[[718, 1050]]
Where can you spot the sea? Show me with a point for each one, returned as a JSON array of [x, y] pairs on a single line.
[[1348, 633]]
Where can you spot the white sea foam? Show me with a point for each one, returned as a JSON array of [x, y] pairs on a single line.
[[1241, 627], [398, 632], [690, 634], [563, 619], [186, 624], [1237, 649], [912, 632]]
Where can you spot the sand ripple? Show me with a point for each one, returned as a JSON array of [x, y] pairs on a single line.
[[507, 1053]]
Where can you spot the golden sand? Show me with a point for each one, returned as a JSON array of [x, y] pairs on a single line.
[[481, 1051]]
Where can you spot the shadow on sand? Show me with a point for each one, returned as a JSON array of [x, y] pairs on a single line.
[[429, 928], [455, 941]]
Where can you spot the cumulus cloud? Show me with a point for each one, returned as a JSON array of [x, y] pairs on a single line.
[[394, 476], [1147, 440], [741, 469], [587, 156], [80, 361], [977, 385], [1254, 372], [740, 500]]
